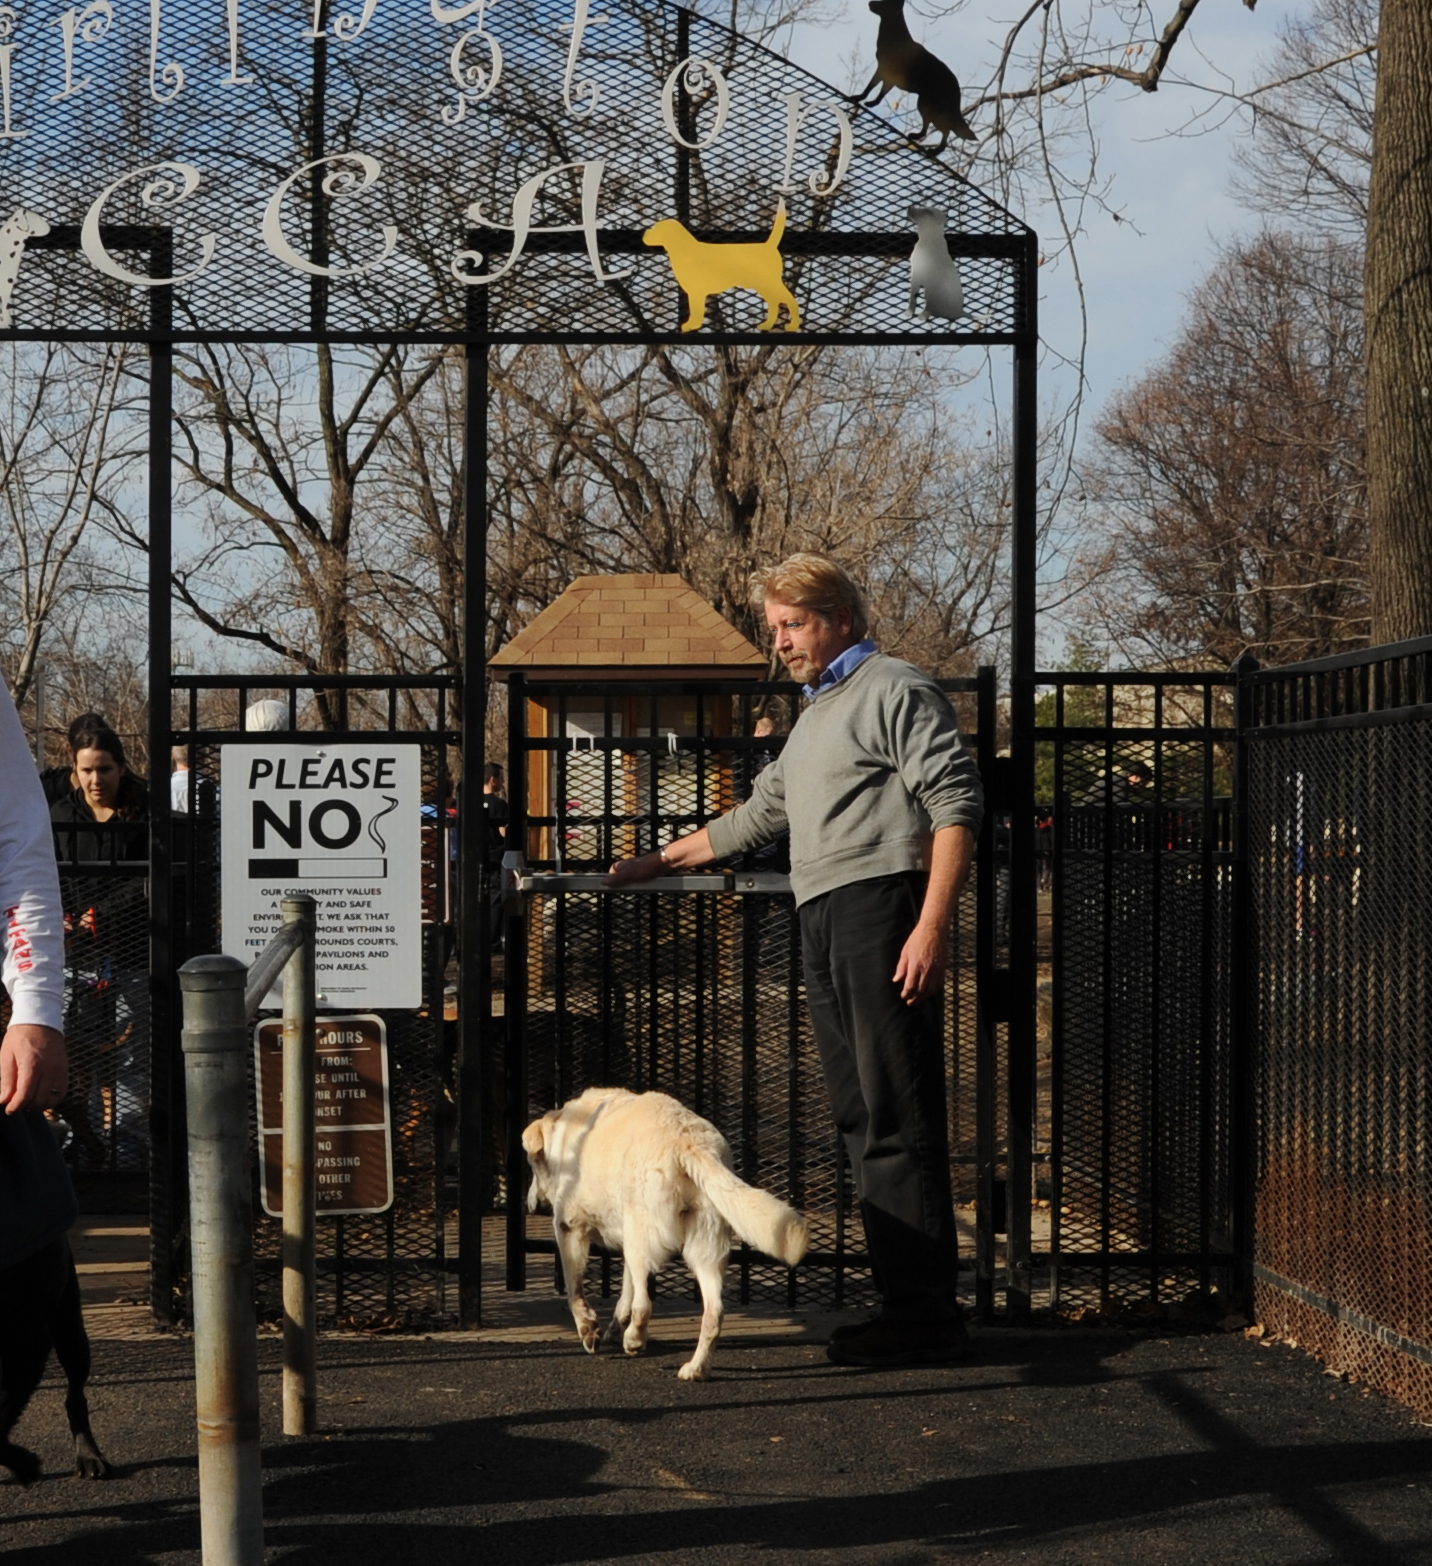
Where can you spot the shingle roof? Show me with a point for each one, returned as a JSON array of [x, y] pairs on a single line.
[[655, 621]]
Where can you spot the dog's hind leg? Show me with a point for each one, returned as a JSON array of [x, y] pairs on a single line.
[[622, 1314], [709, 1274], [638, 1271], [573, 1242], [72, 1349]]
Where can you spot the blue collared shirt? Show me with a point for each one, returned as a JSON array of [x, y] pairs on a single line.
[[837, 669]]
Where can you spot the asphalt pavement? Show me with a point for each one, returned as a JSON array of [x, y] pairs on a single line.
[[1065, 1447]]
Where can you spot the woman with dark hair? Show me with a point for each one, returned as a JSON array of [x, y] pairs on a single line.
[[103, 823]]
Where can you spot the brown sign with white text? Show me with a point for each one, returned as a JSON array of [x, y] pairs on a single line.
[[353, 1158]]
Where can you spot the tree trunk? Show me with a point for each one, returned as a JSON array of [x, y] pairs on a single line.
[[1399, 326]]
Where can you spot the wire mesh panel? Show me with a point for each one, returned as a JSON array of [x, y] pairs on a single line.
[[1340, 774], [1138, 772], [385, 174], [374, 1270], [105, 1114], [694, 994]]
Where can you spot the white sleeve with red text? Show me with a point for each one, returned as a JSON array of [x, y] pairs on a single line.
[[34, 967]]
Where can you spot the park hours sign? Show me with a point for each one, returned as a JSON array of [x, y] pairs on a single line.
[[342, 824]]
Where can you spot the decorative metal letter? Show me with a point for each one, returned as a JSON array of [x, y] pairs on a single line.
[[172, 75], [577, 26], [175, 182], [695, 70], [91, 24], [7, 32], [345, 29], [341, 182], [233, 79], [822, 182], [19, 226], [521, 225], [474, 82]]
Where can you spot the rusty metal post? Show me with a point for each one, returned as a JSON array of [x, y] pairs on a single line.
[[300, 1359], [226, 1370]]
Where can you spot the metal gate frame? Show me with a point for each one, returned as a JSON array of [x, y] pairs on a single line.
[[342, 1268], [976, 1101], [231, 305]]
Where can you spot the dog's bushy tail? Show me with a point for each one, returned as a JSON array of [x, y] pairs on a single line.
[[778, 228], [759, 1218]]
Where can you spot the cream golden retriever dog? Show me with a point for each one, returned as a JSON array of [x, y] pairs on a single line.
[[648, 1176]]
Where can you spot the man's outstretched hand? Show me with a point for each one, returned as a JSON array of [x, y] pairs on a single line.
[[34, 1068]]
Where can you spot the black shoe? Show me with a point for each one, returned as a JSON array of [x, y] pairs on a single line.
[[852, 1329], [885, 1344]]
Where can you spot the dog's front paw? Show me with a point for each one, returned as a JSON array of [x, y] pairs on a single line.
[[634, 1340], [691, 1371], [90, 1462], [591, 1338]]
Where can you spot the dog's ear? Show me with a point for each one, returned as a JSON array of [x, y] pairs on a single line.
[[534, 1138]]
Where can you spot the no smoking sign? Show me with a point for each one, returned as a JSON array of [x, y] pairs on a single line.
[[343, 825]]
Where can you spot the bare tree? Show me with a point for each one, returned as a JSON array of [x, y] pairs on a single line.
[[66, 443], [278, 443], [1230, 486], [704, 463], [1308, 153]]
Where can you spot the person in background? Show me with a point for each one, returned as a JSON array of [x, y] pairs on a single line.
[[267, 717], [37, 1202], [495, 816], [883, 804], [180, 781], [105, 822], [58, 781]]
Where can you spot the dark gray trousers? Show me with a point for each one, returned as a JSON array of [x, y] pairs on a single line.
[[884, 1070]]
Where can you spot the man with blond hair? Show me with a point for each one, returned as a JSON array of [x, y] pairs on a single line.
[[883, 804]]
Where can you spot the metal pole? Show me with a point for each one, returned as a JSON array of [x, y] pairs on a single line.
[[166, 1127], [226, 1370], [300, 1374], [475, 947], [1023, 895]]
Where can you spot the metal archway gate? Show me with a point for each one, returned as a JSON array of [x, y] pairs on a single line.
[[433, 175], [693, 985]]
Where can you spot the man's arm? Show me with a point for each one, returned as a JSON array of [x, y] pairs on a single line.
[[921, 969], [33, 1067], [686, 853]]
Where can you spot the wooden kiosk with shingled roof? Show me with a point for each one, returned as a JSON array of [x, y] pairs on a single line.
[[638, 627]]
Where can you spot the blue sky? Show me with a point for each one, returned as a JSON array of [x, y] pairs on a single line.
[[1173, 189]]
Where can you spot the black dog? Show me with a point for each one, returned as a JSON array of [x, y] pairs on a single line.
[[40, 1309]]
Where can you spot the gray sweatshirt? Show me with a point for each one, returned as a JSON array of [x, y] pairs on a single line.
[[872, 769]]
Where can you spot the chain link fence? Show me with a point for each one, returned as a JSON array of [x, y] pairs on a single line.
[[1339, 777], [1134, 1113]]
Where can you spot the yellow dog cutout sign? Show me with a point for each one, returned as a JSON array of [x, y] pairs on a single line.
[[702, 269]]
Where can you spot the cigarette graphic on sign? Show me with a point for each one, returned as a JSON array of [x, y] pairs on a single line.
[[332, 868]]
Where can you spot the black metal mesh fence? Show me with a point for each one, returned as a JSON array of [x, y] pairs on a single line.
[[700, 995], [424, 126], [1135, 1082], [106, 1111], [391, 1268], [1340, 774]]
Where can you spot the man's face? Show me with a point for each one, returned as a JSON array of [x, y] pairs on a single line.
[[807, 642]]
